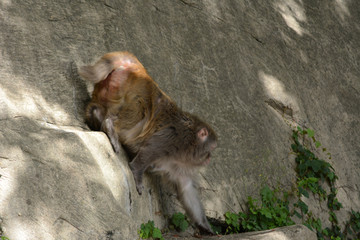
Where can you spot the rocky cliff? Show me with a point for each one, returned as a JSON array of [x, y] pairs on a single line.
[[251, 69]]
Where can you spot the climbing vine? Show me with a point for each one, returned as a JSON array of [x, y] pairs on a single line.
[[314, 175]]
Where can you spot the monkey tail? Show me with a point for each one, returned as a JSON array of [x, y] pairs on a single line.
[[109, 62], [97, 72]]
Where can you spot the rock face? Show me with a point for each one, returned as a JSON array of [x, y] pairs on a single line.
[[248, 68], [295, 232]]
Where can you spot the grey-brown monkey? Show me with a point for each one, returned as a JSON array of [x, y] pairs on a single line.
[[132, 110]]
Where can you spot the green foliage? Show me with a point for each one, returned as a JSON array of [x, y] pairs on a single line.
[[179, 221], [272, 212], [148, 230], [4, 238], [216, 229], [309, 166], [232, 220], [353, 225], [315, 225], [313, 173]]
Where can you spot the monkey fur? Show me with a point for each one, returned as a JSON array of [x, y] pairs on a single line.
[[133, 111]]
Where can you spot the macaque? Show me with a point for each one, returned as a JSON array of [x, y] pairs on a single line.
[[133, 111]]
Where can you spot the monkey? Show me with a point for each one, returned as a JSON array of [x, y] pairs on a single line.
[[129, 106]]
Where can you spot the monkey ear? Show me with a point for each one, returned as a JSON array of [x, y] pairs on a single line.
[[202, 134]]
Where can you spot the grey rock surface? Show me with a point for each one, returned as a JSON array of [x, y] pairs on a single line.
[[295, 232], [250, 68]]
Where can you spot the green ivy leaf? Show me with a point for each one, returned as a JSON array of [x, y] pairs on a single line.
[[331, 176], [145, 229], [177, 218], [310, 133], [184, 225], [303, 207], [148, 230], [296, 213], [180, 222], [157, 234], [315, 165], [266, 212], [308, 226], [232, 219], [266, 194], [303, 192], [332, 217]]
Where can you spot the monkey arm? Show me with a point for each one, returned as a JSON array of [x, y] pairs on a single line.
[[187, 194]]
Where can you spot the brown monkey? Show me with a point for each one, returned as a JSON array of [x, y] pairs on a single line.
[[132, 110]]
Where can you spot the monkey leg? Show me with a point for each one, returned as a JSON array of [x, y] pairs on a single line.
[[156, 147], [187, 194], [138, 166]]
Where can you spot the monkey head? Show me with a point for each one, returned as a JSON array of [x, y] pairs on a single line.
[[206, 142]]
